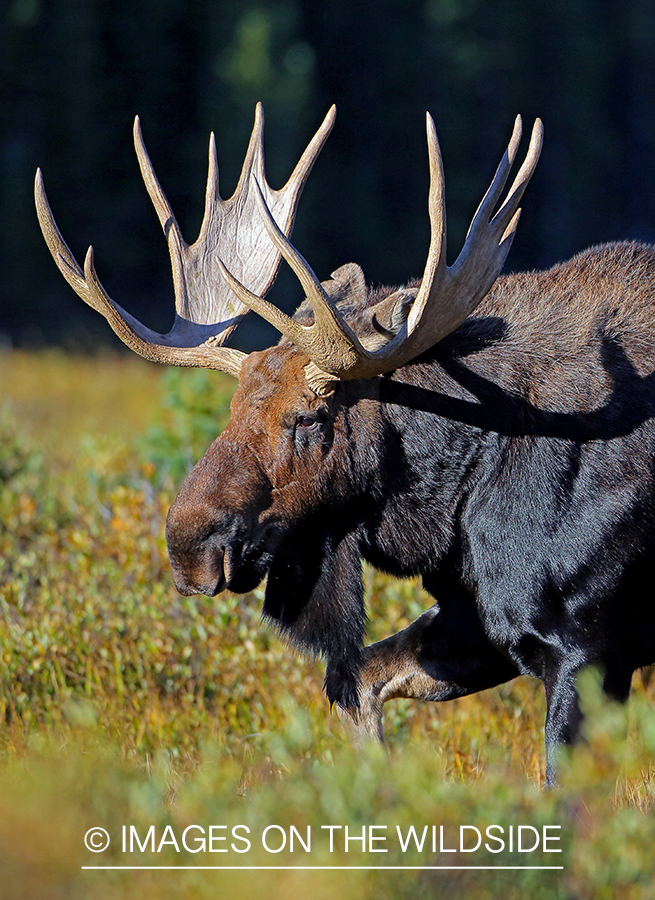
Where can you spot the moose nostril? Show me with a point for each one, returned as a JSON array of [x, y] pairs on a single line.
[[201, 572]]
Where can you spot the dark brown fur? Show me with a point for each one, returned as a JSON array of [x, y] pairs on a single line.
[[511, 466]]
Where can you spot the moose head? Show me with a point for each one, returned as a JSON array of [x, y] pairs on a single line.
[[279, 458]]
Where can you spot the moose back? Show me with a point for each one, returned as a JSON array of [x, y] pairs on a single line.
[[492, 434]]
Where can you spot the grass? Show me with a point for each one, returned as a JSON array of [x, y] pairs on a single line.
[[126, 704]]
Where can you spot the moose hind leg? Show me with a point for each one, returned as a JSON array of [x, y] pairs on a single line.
[[425, 661]]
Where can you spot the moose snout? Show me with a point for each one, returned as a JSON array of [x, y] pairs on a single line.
[[212, 554], [199, 573], [198, 551]]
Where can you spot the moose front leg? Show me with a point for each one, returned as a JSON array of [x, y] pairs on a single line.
[[563, 713], [428, 660]]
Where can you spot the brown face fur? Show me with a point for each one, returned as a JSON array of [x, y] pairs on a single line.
[[284, 452], [265, 468]]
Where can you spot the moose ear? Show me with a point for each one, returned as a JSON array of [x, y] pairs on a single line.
[[315, 596], [347, 282], [390, 315]]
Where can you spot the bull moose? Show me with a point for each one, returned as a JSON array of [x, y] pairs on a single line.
[[492, 434]]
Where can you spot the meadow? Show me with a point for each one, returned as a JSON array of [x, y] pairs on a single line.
[[126, 706]]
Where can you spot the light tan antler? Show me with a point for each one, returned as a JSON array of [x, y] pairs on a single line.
[[206, 310], [447, 295]]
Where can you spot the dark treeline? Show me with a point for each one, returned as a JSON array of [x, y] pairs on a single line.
[[73, 73]]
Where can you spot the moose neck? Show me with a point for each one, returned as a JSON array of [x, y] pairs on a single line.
[[417, 464]]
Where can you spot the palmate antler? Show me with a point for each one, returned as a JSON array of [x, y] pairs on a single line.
[[447, 295], [238, 252], [206, 309]]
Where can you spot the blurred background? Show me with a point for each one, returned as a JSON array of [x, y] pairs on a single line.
[[73, 73]]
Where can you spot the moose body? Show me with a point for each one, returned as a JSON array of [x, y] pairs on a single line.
[[511, 467], [493, 435]]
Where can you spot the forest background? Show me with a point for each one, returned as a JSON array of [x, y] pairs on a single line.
[[73, 74]]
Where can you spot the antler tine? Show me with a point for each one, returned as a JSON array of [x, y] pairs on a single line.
[[436, 261], [506, 213], [274, 316], [446, 295], [206, 309], [138, 337], [59, 249], [254, 158], [177, 246], [485, 210], [309, 157], [162, 206], [329, 342], [325, 315]]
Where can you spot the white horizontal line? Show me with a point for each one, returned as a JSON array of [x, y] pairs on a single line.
[[310, 868]]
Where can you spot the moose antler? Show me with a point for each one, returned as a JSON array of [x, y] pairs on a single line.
[[447, 295], [206, 310]]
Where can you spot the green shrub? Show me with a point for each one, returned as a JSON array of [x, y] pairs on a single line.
[[123, 703], [194, 409]]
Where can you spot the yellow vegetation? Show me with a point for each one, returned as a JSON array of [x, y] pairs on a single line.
[[123, 703]]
